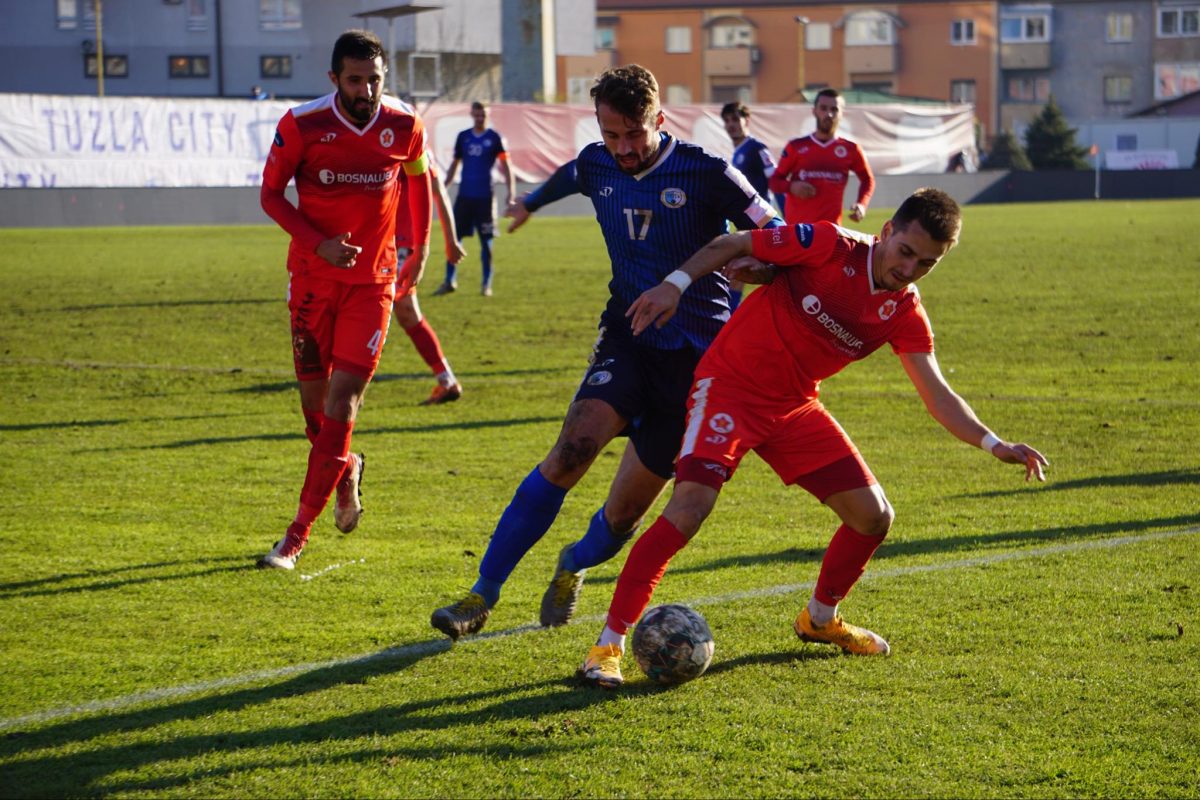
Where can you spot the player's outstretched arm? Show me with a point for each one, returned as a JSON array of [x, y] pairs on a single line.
[[559, 185], [657, 305], [454, 249], [955, 415]]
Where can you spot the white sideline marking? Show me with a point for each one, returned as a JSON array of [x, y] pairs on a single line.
[[437, 645], [331, 568]]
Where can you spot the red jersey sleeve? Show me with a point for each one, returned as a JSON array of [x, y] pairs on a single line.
[[914, 334], [418, 187], [282, 162], [795, 245], [866, 178]]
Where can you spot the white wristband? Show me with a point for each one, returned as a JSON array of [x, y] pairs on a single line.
[[679, 279], [989, 441]]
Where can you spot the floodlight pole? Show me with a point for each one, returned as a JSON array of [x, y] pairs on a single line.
[[801, 54]]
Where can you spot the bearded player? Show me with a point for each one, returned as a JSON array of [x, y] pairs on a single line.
[[348, 152]]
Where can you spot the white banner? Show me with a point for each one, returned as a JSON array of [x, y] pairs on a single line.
[[1141, 159], [57, 141]]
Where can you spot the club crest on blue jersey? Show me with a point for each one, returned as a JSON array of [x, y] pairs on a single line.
[[804, 234], [673, 198], [599, 378]]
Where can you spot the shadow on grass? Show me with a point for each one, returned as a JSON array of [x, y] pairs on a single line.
[[103, 423], [1176, 477], [367, 431], [11, 589], [962, 544], [169, 304], [241, 564], [389, 377]]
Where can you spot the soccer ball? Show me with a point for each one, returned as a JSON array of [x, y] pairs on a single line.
[[672, 644]]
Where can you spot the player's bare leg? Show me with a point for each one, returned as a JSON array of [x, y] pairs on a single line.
[[866, 516], [633, 491]]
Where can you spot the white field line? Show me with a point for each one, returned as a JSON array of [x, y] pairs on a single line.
[[331, 568], [437, 645]]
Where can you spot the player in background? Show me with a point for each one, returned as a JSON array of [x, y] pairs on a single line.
[[753, 158], [838, 296], [408, 312], [814, 169], [347, 152], [477, 149], [657, 200]]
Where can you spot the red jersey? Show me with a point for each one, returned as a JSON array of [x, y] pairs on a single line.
[[821, 312], [827, 166], [348, 179], [404, 221]]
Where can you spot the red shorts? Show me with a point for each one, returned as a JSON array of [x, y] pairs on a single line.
[[338, 326], [803, 444]]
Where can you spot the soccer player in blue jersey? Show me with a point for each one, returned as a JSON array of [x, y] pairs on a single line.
[[657, 200], [753, 158], [477, 149]]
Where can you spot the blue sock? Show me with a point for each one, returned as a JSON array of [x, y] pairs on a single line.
[[598, 545], [485, 255], [451, 273], [527, 518]]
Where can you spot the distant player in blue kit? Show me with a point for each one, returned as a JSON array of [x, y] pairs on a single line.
[[657, 200], [753, 158], [477, 149]]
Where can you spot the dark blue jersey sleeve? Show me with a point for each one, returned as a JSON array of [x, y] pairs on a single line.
[[562, 183]]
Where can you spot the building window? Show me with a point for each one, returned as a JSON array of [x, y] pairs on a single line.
[[279, 15], [1179, 21], [68, 14], [579, 90], [739, 35], [818, 36], [606, 37], [962, 92], [1028, 89], [679, 39], [1173, 80], [1025, 26], [188, 66], [869, 28], [1118, 89], [275, 66], [678, 94], [115, 66], [1119, 28], [962, 31], [1127, 141], [197, 11]]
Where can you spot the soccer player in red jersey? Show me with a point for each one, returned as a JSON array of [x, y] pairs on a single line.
[[813, 170], [347, 152], [838, 296], [408, 312]]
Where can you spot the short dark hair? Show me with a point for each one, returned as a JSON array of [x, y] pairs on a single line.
[[834, 93], [479, 105], [934, 210], [361, 45], [735, 109], [631, 91]]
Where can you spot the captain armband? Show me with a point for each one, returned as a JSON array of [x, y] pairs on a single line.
[[416, 167]]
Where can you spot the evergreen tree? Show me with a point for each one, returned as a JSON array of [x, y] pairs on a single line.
[[1007, 153], [1050, 142]]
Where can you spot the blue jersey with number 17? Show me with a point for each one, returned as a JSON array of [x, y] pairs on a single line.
[[655, 220]]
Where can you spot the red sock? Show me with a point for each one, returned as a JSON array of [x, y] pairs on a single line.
[[643, 570], [844, 563], [427, 344], [312, 424], [326, 461]]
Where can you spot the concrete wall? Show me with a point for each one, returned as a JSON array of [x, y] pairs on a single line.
[[52, 208]]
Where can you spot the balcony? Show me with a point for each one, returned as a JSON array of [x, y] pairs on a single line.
[[870, 58], [1034, 55], [730, 62]]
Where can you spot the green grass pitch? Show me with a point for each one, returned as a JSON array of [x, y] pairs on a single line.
[[1046, 639]]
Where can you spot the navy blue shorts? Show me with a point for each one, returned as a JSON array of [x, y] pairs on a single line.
[[647, 386], [473, 214]]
